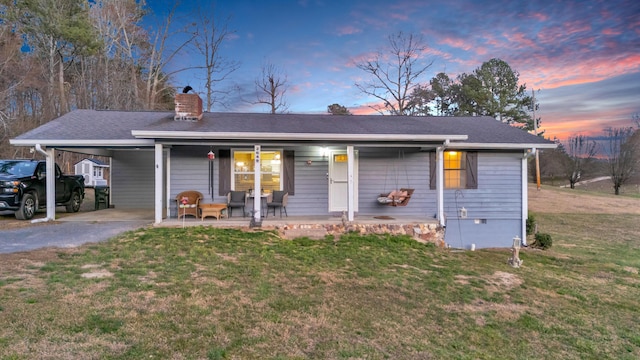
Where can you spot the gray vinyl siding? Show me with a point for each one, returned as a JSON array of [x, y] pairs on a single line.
[[498, 196], [499, 192], [311, 186], [133, 179], [384, 170], [189, 170], [494, 210]]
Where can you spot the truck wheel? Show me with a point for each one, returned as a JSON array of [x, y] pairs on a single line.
[[74, 203], [27, 207]]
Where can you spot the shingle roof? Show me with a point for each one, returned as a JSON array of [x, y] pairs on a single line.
[[95, 161], [117, 125]]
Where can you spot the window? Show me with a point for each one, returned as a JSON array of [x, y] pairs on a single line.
[[244, 166], [454, 170], [460, 169]]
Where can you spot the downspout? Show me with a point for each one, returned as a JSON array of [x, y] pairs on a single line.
[[50, 186], [525, 194]]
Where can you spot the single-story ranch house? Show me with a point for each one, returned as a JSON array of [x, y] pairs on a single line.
[[469, 174]]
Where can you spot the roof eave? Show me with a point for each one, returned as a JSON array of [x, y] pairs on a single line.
[[501, 146], [83, 143], [141, 134]]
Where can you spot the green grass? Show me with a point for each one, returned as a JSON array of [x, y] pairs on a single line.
[[204, 293]]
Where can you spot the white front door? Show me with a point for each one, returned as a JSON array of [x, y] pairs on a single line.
[[338, 181]]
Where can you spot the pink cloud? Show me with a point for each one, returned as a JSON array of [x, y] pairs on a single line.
[[520, 40], [457, 43], [611, 32], [348, 30], [549, 73], [401, 17], [539, 16]]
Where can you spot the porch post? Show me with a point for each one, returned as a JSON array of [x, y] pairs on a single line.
[[257, 191], [525, 202], [350, 182], [159, 182], [440, 183], [167, 187]]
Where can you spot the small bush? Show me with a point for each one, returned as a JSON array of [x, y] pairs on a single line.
[[531, 224], [543, 241]]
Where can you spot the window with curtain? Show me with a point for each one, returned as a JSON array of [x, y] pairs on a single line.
[[244, 166]]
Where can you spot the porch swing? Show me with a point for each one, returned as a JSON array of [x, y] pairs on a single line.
[[398, 196]]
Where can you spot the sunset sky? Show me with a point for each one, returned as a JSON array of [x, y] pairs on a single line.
[[583, 56]]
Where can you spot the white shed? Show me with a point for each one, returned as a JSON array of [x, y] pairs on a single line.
[[93, 172]]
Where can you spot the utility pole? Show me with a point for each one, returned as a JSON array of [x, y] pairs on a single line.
[[535, 131]]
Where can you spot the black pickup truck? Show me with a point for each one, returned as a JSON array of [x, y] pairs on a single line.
[[23, 188]]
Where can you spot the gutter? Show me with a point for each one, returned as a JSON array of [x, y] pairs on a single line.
[[50, 214], [254, 136]]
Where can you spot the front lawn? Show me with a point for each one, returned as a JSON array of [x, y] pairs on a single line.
[[202, 293]]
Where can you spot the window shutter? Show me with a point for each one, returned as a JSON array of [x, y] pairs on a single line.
[[472, 170], [288, 171], [432, 170], [224, 173]]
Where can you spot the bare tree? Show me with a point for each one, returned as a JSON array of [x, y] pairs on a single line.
[[395, 74], [209, 40], [581, 151], [114, 75], [164, 48], [623, 155], [271, 87]]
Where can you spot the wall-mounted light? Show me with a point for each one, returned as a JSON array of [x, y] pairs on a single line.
[[324, 151]]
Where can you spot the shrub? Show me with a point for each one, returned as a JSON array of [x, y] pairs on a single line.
[[543, 241], [531, 224]]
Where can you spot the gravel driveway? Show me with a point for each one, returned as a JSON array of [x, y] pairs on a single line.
[[62, 234]]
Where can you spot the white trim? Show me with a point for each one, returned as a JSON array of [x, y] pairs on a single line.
[[257, 185], [525, 201], [350, 182], [158, 182], [498, 146], [85, 142], [440, 183], [291, 136], [168, 184]]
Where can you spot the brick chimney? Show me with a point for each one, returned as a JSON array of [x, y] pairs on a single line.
[[188, 107]]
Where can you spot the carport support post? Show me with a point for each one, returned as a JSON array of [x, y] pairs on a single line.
[[159, 182], [51, 183]]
